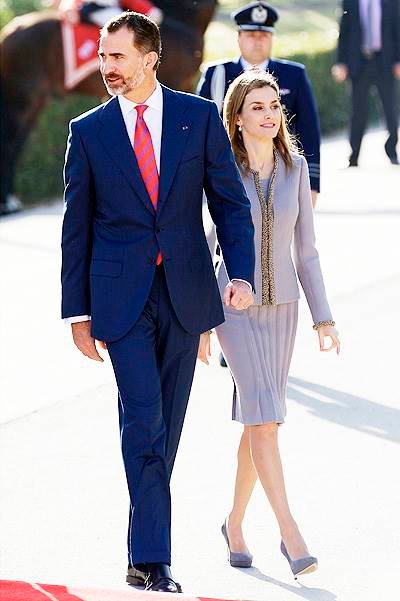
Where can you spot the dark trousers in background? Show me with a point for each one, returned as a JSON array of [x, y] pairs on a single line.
[[154, 366], [373, 73]]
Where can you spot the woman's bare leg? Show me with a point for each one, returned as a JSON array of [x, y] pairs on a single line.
[[246, 478], [266, 459]]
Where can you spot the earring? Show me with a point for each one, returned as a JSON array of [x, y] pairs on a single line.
[[240, 128]]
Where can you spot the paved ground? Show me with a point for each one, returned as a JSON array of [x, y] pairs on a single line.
[[64, 502]]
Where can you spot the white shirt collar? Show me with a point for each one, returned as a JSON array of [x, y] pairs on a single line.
[[246, 66], [154, 101]]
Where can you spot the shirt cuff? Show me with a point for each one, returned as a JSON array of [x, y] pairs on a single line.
[[244, 281], [76, 319]]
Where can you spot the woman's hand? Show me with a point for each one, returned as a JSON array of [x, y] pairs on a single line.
[[328, 332], [204, 348]]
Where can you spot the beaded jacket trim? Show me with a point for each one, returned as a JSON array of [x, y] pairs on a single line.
[[267, 212]]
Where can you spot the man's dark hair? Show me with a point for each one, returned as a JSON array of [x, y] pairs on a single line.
[[146, 32]]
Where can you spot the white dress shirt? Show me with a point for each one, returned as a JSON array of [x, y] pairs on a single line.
[[153, 117]]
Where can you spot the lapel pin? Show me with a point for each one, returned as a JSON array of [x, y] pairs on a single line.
[[184, 127]]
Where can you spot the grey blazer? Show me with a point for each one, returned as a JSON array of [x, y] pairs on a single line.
[[293, 232]]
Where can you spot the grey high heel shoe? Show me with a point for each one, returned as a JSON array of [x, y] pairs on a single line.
[[237, 560], [303, 565]]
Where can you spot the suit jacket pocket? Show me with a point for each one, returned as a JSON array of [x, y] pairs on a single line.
[[111, 269]]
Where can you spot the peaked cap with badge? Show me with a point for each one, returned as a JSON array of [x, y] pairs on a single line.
[[296, 93], [256, 16]]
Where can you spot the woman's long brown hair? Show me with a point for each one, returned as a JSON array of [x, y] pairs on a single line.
[[250, 80]]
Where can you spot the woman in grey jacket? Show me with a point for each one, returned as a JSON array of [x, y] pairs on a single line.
[[258, 342]]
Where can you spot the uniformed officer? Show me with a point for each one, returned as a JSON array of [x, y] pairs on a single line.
[[256, 25]]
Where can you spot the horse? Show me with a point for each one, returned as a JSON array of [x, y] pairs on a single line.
[[33, 71]]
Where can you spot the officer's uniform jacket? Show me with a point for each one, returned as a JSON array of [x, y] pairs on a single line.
[[296, 94]]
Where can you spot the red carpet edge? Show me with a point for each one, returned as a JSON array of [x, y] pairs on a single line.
[[14, 590]]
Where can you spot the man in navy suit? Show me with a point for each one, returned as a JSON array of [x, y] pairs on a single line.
[[137, 274], [369, 55], [256, 26]]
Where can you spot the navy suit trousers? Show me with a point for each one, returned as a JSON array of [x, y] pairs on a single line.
[[154, 366], [373, 73]]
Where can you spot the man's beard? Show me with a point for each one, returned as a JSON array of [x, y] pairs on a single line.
[[126, 85]]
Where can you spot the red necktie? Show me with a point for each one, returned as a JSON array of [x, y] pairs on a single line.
[[144, 152]]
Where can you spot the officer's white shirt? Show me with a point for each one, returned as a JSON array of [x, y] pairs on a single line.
[[246, 66]]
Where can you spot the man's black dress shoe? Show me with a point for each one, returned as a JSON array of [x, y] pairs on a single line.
[[136, 577], [353, 162], [160, 579], [394, 160]]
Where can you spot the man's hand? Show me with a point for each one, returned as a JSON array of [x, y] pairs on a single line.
[[204, 348], [84, 341], [314, 198], [340, 72], [238, 295]]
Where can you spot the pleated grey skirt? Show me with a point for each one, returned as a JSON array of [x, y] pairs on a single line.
[[258, 346]]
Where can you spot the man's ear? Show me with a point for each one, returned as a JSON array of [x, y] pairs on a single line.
[[151, 60]]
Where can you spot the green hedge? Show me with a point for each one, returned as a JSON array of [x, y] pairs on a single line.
[[40, 168], [332, 99], [39, 173]]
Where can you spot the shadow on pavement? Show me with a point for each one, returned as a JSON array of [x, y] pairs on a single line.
[[346, 409], [313, 594]]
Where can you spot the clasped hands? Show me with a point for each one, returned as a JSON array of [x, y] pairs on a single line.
[[237, 295]]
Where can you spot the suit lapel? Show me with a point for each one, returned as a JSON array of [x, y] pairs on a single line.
[[115, 139], [175, 132], [357, 15]]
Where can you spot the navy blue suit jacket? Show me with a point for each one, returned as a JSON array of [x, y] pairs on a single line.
[[297, 97], [350, 36], [112, 235]]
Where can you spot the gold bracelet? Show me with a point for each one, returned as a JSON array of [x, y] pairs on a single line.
[[319, 324]]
